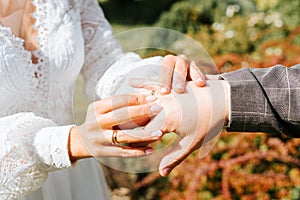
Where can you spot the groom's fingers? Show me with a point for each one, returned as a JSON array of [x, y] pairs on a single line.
[[196, 75], [166, 73], [180, 73], [176, 156]]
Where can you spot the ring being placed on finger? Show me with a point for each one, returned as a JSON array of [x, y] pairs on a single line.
[[154, 92], [114, 137]]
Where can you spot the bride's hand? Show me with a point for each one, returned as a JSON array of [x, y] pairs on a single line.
[[175, 71], [96, 137]]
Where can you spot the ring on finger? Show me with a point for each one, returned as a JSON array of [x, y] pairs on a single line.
[[114, 137], [154, 92]]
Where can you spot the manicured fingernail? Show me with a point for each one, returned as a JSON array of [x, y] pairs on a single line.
[[155, 109], [200, 81], [163, 90], [151, 98], [156, 133], [179, 86], [167, 171], [149, 151]]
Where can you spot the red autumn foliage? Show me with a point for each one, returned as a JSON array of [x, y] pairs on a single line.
[[245, 166]]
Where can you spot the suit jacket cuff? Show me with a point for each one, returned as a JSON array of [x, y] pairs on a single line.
[[248, 104]]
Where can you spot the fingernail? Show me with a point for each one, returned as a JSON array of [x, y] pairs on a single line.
[[151, 98], [163, 90], [155, 109], [156, 133], [200, 81], [179, 86], [149, 151], [167, 171]]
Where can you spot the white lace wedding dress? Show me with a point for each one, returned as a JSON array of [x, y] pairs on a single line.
[[36, 100]]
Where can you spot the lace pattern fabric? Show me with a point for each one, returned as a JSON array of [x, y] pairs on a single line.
[[32, 146], [73, 37], [20, 167]]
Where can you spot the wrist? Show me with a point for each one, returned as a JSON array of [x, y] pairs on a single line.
[[218, 92], [227, 101], [76, 149]]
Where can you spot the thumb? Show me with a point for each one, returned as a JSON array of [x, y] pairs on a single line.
[[180, 152]]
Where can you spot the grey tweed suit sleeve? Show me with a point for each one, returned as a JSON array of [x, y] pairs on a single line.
[[265, 100]]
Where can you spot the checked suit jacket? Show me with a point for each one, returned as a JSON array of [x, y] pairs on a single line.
[[265, 100]]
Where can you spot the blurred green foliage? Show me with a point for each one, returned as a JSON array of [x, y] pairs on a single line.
[[233, 26], [134, 11], [190, 15]]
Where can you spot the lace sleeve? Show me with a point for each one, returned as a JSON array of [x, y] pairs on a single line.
[[100, 47], [30, 147], [104, 55]]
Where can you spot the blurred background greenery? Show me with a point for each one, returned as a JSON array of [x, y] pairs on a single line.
[[236, 33]]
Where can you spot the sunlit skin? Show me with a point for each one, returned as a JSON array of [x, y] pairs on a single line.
[[17, 15], [173, 74]]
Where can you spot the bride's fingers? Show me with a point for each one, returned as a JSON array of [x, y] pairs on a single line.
[[134, 123], [166, 73], [180, 74], [124, 152], [136, 136], [196, 75], [116, 102], [125, 114]]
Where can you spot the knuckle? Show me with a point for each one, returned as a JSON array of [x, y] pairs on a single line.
[[145, 110], [185, 58], [169, 57], [124, 153], [185, 63], [139, 99], [135, 153]]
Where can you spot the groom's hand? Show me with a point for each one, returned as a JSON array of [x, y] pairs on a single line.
[[174, 72], [197, 116]]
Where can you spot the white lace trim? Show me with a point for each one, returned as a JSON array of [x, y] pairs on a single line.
[[28, 148], [51, 144], [36, 73], [43, 64]]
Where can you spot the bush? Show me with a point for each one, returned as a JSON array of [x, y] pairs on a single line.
[[241, 166], [190, 15], [251, 33]]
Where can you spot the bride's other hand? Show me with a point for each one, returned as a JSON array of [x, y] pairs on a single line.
[[175, 71], [96, 137]]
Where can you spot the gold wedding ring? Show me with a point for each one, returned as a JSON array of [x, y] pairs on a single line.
[[114, 137], [154, 92]]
